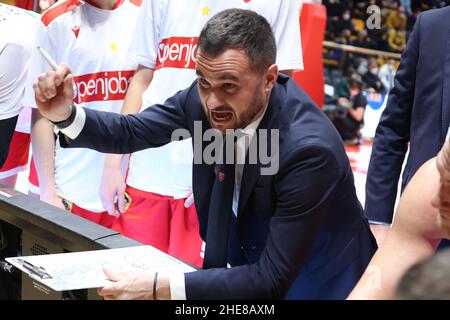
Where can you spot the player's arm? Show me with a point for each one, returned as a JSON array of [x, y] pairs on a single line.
[[113, 182], [286, 28], [391, 140], [441, 199], [414, 236], [43, 144], [359, 106], [357, 114]]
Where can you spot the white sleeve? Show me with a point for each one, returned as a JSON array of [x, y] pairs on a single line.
[[37, 64], [75, 128], [286, 27], [144, 46], [13, 61], [177, 286], [13, 64]]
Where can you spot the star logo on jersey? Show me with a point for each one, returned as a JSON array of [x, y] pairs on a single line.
[[76, 31], [221, 176], [113, 47], [205, 11]]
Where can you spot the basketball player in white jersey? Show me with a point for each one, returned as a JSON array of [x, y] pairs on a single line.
[[17, 35], [93, 37]]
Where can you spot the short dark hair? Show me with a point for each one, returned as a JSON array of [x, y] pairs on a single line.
[[427, 279], [242, 30]]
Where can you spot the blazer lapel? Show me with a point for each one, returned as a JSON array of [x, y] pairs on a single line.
[[252, 171], [202, 177], [446, 91]]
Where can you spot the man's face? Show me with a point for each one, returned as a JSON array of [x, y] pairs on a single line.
[[233, 94]]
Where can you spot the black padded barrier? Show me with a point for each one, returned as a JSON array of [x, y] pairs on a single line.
[[29, 226]]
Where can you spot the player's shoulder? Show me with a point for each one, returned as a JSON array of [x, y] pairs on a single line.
[[59, 9], [13, 13], [7, 10], [22, 22]]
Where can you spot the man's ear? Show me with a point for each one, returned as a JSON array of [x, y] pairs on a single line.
[[271, 77]]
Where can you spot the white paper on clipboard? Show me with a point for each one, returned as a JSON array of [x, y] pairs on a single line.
[[84, 270]]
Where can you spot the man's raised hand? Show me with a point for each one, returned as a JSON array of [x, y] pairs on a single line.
[[54, 93]]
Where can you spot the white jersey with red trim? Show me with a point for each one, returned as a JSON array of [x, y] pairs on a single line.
[[166, 40], [94, 43], [17, 35]]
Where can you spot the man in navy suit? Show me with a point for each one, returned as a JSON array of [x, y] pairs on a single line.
[[417, 112], [295, 232]]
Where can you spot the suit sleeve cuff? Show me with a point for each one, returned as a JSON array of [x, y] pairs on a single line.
[[379, 223], [177, 286], [73, 130]]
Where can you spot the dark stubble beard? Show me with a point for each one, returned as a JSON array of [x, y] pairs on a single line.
[[253, 109]]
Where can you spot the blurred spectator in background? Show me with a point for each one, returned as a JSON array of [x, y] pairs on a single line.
[[378, 37], [397, 19], [348, 115], [337, 53], [389, 4], [407, 5], [335, 10], [345, 23], [359, 60], [363, 40], [386, 75], [360, 9], [371, 76], [362, 66], [397, 39], [412, 18], [431, 4], [343, 86]]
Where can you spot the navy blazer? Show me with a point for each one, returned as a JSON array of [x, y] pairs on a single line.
[[299, 233], [417, 112]]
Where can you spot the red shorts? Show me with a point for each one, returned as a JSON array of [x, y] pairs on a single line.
[[17, 158], [162, 222], [101, 218], [33, 180]]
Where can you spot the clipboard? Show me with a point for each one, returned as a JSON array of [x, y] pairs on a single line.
[[84, 270]]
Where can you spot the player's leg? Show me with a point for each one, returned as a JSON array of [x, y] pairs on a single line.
[[185, 242], [7, 127], [16, 160]]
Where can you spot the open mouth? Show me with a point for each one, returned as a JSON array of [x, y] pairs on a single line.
[[221, 116]]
